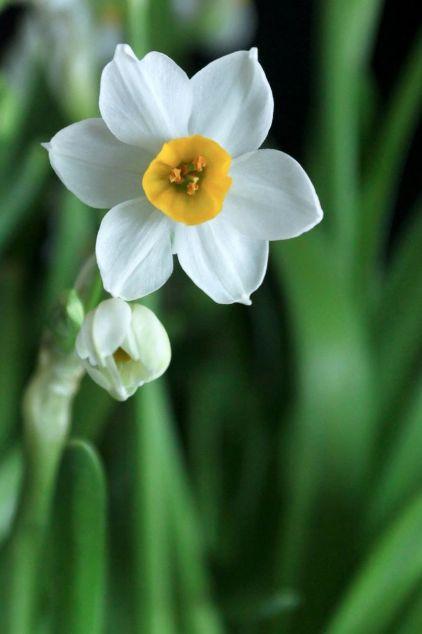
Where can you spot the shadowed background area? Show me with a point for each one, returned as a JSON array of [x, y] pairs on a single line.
[[272, 480]]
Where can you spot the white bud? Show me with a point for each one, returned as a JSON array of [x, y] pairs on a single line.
[[123, 346]]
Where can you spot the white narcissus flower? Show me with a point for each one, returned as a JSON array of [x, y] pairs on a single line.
[[123, 346], [177, 160]]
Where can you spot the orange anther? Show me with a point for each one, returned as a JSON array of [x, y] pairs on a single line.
[[192, 188], [199, 163], [175, 175]]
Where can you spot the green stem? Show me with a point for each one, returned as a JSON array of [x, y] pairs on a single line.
[[384, 170], [343, 56], [47, 415], [153, 586], [138, 25]]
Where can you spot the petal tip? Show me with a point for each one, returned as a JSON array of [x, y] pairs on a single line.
[[245, 300], [253, 53], [124, 49], [47, 146]]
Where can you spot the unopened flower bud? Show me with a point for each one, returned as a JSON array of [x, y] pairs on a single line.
[[123, 346]]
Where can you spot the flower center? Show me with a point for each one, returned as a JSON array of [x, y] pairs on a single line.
[[188, 175], [121, 356], [188, 179]]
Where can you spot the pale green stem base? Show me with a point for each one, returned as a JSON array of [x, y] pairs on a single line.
[[47, 408]]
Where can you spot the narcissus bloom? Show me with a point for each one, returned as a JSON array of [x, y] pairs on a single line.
[[123, 346], [177, 161]]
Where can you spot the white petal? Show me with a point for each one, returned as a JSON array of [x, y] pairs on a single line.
[[223, 263], [98, 168], [271, 197], [145, 102], [112, 320], [154, 351], [134, 249], [84, 344], [99, 376], [232, 102], [108, 377]]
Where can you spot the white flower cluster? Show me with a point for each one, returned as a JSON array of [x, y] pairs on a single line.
[[176, 162]]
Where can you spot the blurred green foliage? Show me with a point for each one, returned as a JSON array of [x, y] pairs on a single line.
[[272, 482]]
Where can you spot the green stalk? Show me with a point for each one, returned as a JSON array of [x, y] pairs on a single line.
[[13, 357], [326, 459], [384, 169], [47, 412], [396, 329], [401, 476], [47, 416], [153, 587], [343, 54], [81, 539], [197, 612], [138, 25], [391, 574], [11, 469], [20, 192]]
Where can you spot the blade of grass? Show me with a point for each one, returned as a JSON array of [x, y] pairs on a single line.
[[392, 572], [81, 509]]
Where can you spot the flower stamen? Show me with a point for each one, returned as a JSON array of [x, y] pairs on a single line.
[[193, 186], [121, 356], [187, 174], [176, 175], [200, 163], [188, 179]]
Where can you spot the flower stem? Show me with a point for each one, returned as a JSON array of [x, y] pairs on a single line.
[[47, 407], [138, 23]]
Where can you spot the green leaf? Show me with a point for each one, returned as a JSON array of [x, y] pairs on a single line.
[[81, 525], [411, 621], [401, 477], [169, 515], [196, 609], [153, 581], [343, 55], [325, 460], [334, 365], [397, 331], [139, 25], [18, 197], [383, 172], [93, 407], [13, 350], [11, 470], [72, 240], [392, 572]]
